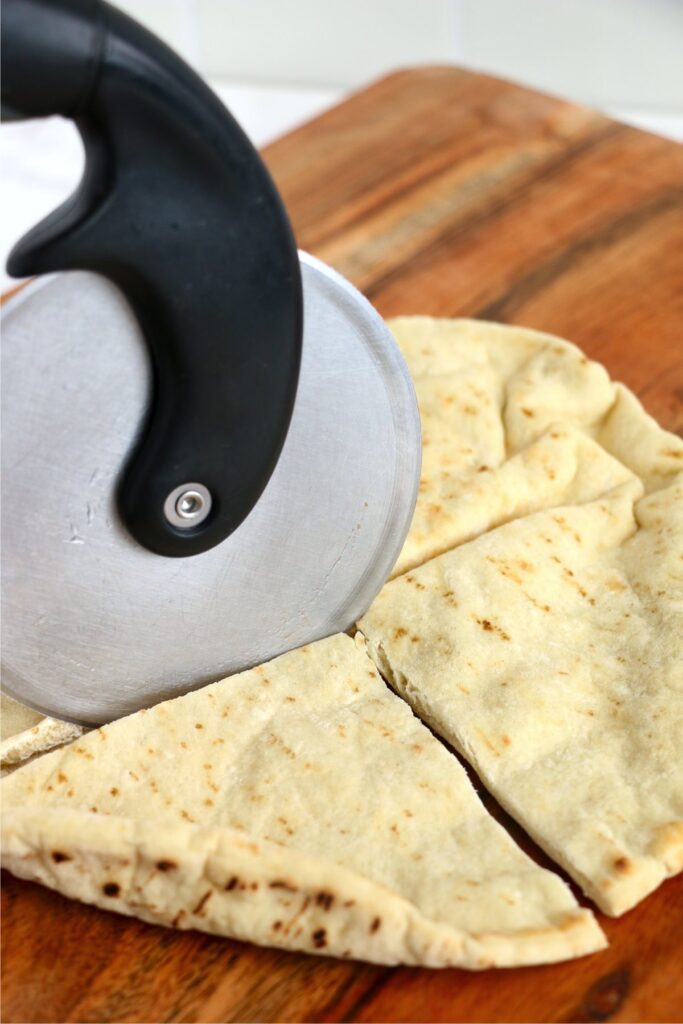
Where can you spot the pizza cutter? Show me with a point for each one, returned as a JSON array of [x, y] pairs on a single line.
[[211, 445]]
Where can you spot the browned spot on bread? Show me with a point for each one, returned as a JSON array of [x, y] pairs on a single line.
[[325, 900], [111, 889], [59, 857], [622, 864], [319, 938], [276, 926], [527, 412], [279, 883], [114, 791], [232, 883], [376, 922], [186, 815], [133, 775], [198, 725], [487, 743], [199, 909], [178, 918], [399, 632], [506, 740], [61, 777], [165, 865], [491, 627]]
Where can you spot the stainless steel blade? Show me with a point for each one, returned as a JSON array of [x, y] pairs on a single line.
[[93, 625]]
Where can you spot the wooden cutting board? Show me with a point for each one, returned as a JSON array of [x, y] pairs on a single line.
[[436, 191]]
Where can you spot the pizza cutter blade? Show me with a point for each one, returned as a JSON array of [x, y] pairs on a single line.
[[94, 625]]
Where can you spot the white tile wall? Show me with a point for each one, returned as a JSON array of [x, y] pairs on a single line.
[[610, 53]]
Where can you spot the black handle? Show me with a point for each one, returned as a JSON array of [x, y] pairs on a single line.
[[178, 210]]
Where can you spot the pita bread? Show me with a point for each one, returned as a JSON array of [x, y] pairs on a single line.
[[490, 398], [25, 732], [548, 652], [301, 805]]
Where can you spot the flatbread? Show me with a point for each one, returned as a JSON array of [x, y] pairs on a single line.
[[25, 732], [491, 397], [548, 650], [301, 805]]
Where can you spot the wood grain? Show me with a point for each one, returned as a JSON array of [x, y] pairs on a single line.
[[436, 191]]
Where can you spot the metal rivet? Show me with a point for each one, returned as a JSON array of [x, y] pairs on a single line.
[[187, 505]]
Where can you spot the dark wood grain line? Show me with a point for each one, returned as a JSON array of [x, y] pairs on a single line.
[[540, 173], [353, 1012], [504, 305], [598, 131]]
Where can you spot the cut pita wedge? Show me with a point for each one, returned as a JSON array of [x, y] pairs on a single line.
[[301, 805], [491, 399], [548, 652]]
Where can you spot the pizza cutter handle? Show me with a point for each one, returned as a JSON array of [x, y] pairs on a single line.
[[178, 210]]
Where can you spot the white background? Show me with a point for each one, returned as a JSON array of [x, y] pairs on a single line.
[[278, 62]]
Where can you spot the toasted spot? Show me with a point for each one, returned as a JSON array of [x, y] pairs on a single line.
[[325, 900], [279, 883], [165, 865], [622, 864], [198, 725], [319, 938], [111, 889], [491, 627], [231, 884], [199, 909], [376, 922], [114, 791], [59, 857]]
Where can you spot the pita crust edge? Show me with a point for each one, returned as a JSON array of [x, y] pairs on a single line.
[[227, 883]]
